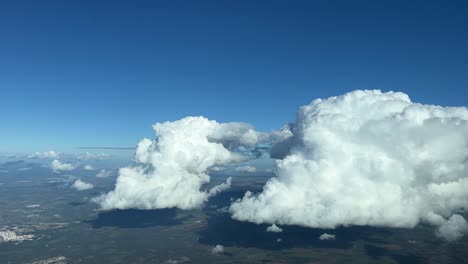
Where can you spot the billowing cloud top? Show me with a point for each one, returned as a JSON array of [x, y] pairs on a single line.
[[173, 167], [368, 158], [362, 158]]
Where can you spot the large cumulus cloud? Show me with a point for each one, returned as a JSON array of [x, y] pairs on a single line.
[[368, 158], [173, 168]]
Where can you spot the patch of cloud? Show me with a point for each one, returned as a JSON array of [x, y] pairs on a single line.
[[58, 166], [63, 179], [14, 235], [220, 187], [454, 228], [247, 168], [274, 228], [367, 158], [179, 260], [80, 185], [51, 154], [25, 169], [88, 167], [52, 260], [92, 156], [172, 169], [326, 236], [217, 168], [104, 173], [218, 249], [33, 205]]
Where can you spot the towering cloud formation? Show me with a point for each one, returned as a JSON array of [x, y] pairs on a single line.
[[173, 167], [368, 158]]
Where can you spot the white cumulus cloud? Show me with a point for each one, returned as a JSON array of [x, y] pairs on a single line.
[[326, 236], [274, 228], [367, 158], [80, 185], [218, 249], [173, 168], [58, 166]]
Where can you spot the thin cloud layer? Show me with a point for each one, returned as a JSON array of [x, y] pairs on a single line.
[[173, 168], [103, 173], [247, 168], [44, 155], [92, 156], [88, 167], [368, 158]]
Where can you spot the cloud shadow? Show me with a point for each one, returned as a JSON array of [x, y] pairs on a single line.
[[222, 229], [133, 218], [378, 252]]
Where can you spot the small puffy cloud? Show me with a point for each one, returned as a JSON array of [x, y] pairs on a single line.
[[58, 166], [274, 228], [88, 167], [246, 169], [367, 158], [25, 169], [218, 249], [453, 229], [173, 168], [326, 236], [80, 185], [44, 155], [104, 173]]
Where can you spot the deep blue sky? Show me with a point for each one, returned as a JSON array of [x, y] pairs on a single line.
[[99, 73]]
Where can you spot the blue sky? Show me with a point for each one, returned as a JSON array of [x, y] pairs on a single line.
[[99, 73]]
